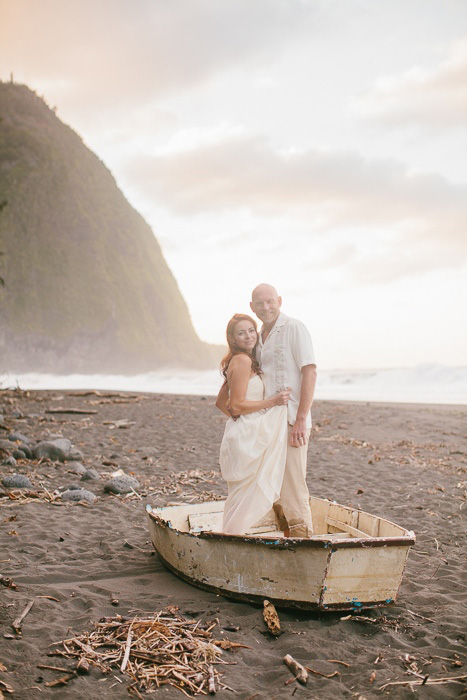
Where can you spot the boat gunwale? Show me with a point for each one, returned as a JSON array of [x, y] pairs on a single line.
[[292, 542]]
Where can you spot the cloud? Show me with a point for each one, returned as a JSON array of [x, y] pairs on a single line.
[[435, 98], [327, 189], [112, 51]]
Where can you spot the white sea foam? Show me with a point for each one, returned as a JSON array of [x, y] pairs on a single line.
[[421, 384]]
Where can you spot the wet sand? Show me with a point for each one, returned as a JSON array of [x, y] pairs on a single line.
[[403, 462]]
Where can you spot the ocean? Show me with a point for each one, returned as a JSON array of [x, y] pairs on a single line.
[[428, 383]]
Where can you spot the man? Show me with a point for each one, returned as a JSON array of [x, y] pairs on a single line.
[[286, 356]]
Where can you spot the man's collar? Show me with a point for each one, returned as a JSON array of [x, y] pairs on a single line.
[[281, 320]]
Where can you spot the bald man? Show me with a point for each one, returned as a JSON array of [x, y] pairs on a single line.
[[286, 356]]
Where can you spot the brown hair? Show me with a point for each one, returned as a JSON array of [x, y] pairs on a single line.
[[234, 349]]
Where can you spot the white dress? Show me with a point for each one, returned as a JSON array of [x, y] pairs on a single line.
[[252, 459]]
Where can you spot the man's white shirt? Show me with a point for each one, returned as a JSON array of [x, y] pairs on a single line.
[[287, 349]]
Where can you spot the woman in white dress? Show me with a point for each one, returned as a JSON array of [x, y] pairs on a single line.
[[253, 449]]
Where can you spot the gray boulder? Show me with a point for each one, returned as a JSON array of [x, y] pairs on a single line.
[[74, 455], [76, 467], [90, 475], [49, 450], [16, 481], [78, 495], [26, 449], [63, 443], [9, 462], [19, 454], [14, 437], [53, 449], [122, 484]]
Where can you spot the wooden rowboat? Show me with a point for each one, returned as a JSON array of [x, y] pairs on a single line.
[[356, 560]]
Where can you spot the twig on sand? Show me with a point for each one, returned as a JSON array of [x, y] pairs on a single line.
[[79, 411], [428, 619], [336, 661], [297, 669], [60, 681], [324, 675], [6, 687], [426, 681], [16, 624]]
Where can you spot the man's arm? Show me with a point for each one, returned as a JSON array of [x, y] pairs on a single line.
[[307, 390]]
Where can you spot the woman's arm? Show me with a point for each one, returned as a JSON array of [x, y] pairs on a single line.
[[222, 399], [238, 376]]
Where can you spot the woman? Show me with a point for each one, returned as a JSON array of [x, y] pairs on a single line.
[[253, 449]]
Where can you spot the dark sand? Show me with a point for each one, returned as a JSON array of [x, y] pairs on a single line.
[[403, 462]]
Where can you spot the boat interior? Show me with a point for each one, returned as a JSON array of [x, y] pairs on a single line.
[[331, 521]]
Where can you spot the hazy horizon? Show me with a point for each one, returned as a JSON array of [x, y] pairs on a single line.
[[311, 145]]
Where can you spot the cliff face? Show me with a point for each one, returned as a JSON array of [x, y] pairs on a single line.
[[86, 285]]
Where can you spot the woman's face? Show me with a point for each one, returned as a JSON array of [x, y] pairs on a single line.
[[245, 336]]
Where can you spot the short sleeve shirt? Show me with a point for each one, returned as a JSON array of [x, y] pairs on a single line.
[[287, 349]]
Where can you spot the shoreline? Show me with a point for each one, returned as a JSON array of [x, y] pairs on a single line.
[[427, 384], [406, 462]]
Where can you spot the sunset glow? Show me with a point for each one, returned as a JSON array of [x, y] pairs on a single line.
[[315, 145]]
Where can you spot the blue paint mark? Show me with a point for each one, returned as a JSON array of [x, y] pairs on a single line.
[[389, 600]]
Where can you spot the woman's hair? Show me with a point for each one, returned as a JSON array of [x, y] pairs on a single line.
[[233, 347]]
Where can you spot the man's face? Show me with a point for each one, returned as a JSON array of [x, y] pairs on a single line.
[[266, 305]]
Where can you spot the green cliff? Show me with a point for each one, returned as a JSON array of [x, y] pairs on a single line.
[[86, 287]]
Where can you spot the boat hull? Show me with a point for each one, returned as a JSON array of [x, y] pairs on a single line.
[[307, 574]]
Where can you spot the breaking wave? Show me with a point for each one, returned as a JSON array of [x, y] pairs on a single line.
[[429, 383]]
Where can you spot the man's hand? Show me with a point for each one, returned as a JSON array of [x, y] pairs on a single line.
[[298, 434]]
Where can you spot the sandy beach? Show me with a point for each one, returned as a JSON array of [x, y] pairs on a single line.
[[79, 563]]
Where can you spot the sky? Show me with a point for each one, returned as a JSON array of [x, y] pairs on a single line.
[[317, 145]]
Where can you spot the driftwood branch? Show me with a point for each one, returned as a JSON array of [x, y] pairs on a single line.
[[428, 681], [126, 655], [271, 618], [211, 682], [79, 411], [60, 681], [324, 675], [297, 669], [17, 623]]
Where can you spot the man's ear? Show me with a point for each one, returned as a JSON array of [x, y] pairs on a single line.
[[279, 299], [252, 307]]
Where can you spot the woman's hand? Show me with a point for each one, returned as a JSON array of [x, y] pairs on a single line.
[[282, 398]]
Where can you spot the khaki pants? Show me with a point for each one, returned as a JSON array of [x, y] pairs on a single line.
[[293, 508]]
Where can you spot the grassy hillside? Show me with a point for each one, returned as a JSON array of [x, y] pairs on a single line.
[[86, 285]]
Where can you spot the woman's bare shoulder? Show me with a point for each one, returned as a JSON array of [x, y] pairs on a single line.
[[240, 360]]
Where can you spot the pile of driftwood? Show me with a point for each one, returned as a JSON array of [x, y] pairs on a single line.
[[21, 497], [153, 650], [184, 487]]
